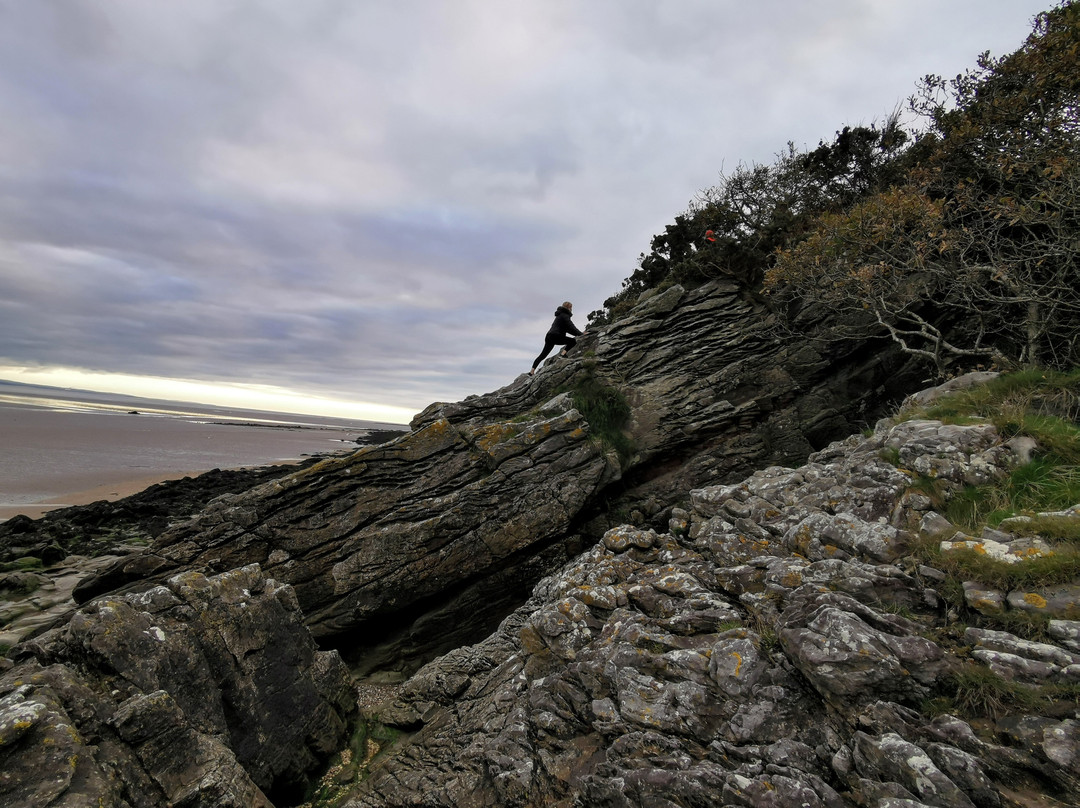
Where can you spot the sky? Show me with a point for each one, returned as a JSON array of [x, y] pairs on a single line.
[[360, 207]]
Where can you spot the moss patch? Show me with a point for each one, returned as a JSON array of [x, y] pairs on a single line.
[[607, 411]]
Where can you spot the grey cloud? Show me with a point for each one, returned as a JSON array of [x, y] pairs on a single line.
[[387, 200]]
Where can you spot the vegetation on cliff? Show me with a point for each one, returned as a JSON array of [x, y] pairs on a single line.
[[957, 237]]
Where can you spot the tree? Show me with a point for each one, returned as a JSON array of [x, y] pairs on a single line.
[[974, 256], [735, 228]]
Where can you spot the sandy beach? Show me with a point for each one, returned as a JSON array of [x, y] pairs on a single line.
[[55, 456]]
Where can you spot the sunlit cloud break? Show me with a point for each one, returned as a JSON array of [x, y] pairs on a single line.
[[241, 396]]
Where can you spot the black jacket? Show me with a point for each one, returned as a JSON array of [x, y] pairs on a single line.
[[563, 325]]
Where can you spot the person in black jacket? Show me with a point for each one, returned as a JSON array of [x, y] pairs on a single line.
[[557, 334]]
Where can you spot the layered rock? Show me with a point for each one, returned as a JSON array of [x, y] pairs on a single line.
[[200, 692], [439, 514], [699, 652], [402, 545], [775, 646]]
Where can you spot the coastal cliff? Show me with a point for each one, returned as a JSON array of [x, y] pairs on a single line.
[[646, 576]]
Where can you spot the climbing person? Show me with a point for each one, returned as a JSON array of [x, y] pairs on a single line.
[[558, 334]]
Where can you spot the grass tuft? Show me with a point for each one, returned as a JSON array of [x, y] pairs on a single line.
[[607, 411], [976, 691]]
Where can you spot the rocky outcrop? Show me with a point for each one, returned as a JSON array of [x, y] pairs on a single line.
[[431, 516], [777, 645], [724, 638], [100, 527], [395, 550], [200, 692]]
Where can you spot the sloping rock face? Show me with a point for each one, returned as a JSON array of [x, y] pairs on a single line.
[[424, 543], [200, 692], [444, 512], [714, 391], [773, 647]]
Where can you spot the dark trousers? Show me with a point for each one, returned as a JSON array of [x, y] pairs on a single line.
[[550, 341]]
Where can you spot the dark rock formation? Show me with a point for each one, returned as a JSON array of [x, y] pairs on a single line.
[[201, 692], [738, 632], [399, 542], [101, 526], [431, 516]]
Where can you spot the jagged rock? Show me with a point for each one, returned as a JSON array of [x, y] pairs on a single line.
[[200, 692], [1061, 602], [400, 523], [741, 643], [984, 600], [717, 665], [966, 381], [103, 526], [891, 759], [1067, 632], [394, 547]]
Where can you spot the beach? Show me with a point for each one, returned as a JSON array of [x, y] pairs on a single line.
[[66, 448]]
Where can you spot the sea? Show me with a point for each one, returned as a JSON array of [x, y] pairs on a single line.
[[61, 447]]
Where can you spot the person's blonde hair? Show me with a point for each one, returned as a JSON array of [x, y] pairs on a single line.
[[567, 304]]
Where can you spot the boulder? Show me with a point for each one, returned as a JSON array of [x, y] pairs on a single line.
[[204, 691]]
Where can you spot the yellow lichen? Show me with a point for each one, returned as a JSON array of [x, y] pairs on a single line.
[[1036, 600]]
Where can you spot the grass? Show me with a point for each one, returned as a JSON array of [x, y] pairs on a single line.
[[1059, 567], [1043, 405], [607, 411], [1062, 528], [891, 455], [976, 691]]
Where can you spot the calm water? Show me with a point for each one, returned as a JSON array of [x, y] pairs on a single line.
[[56, 443]]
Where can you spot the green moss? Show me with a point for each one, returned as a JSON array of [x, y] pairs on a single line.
[[370, 742], [24, 563], [607, 411], [27, 586]]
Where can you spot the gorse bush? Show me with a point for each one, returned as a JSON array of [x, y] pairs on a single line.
[[734, 229]]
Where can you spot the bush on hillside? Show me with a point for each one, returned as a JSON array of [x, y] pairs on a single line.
[[984, 229], [960, 242]]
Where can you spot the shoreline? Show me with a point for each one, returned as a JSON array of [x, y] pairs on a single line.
[[120, 489], [58, 457]]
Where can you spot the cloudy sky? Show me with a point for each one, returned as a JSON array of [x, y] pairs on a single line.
[[381, 202]]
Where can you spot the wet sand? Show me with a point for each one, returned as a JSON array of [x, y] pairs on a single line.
[[54, 458]]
